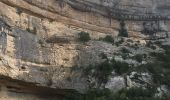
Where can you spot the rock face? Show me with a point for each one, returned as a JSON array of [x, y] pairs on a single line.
[[39, 46]]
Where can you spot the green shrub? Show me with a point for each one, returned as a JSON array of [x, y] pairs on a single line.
[[151, 45], [135, 46], [163, 58], [103, 56], [138, 57], [125, 55], [107, 38], [167, 97], [125, 50], [119, 42], [135, 94], [103, 71], [100, 72], [84, 36], [19, 11], [159, 74], [120, 67], [74, 96]]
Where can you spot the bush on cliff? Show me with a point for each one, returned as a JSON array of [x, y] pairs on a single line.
[[83, 36], [120, 67], [100, 72], [108, 39]]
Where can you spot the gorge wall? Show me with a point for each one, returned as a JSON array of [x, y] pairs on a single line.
[[39, 46]]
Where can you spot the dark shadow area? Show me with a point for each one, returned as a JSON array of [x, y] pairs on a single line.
[[4, 30], [25, 88]]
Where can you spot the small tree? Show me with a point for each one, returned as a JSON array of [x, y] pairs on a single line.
[[84, 36]]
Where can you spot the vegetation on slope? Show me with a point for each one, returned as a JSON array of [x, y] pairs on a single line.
[[159, 69]]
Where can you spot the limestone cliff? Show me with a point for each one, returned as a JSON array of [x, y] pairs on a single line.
[[39, 45]]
